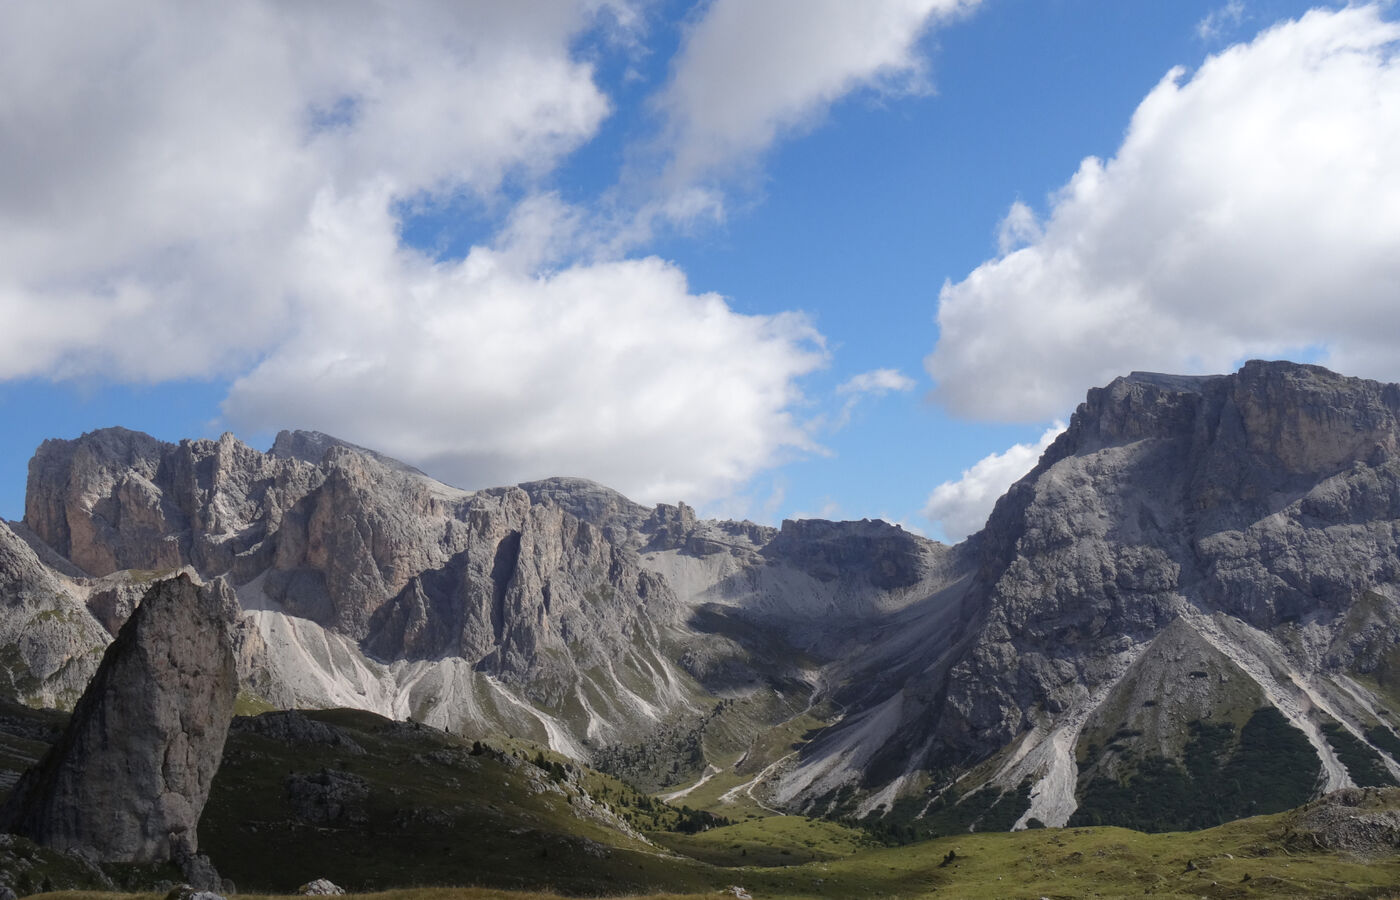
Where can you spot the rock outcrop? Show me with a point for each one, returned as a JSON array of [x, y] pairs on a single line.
[[1269, 496], [50, 644], [117, 499], [1189, 551], [502, 600], [1195, 563], [534, 595], [1361, 822], [130, 775]]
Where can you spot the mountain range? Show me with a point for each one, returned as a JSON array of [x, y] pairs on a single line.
[[1187, 612]]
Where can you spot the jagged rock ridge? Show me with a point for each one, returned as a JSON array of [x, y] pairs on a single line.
[[368, 584], [1196, 562]]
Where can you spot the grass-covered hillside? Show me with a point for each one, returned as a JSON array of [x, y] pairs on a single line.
[[413, 813], [1330, 849], [371, 804]]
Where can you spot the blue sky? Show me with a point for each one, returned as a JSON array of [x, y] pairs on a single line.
[[772, 258]]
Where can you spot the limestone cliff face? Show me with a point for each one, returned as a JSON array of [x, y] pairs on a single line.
[[1189, 550], [129, 777], [117, 499], [333, 545], [50, 644], [359, 537], [883, 555], [1271, 495], [535, 595], [1195, 560]]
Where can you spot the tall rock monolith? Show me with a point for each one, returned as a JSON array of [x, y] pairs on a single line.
[[130, 776]]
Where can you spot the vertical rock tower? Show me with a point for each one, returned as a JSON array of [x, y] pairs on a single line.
[[130, 776]]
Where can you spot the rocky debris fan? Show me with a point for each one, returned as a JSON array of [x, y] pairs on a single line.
[[1363, 822], [129, 778]]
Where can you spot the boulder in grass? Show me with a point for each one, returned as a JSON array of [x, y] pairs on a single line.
[[321, 887], [130, 775]]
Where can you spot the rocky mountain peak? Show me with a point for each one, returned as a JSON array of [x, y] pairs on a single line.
[[116, 499], [1202, 519], [590, 502], [885, 555], [314, 447], [1196, 559], [1291, 417]]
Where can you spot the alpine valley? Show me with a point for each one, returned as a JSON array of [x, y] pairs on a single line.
[[1186, 614]]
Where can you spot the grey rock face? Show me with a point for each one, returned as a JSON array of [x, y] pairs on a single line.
[[49, 643], [313, 447], [530, 585], [589, 502], [359, 537], [117, 499], [534, 595], [1243, 526], [886, 556], [113, 599], [130, 776], [1269, 499]]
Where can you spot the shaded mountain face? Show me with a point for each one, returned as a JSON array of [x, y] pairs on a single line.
[[1194, 564], [1199, 576], [49, 644], [558, 609], [366, 583]]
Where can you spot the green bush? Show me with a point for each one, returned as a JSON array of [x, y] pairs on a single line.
[[1267, 767]]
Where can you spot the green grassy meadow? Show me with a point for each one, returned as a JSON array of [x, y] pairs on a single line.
[[404, 812], [1244, 859]]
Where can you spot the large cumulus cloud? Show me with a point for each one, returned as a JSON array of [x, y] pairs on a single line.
[[213, 190], [1253, 209]]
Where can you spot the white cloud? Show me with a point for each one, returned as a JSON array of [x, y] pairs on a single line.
[[1018, 228], [877, 381], [749, 72], [211, 190], [483, 372], [1217, 21], [161, 158], [1252, 210], [961, 507]]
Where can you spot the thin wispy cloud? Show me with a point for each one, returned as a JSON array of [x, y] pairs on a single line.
[[750, 74], [1218, 22], [875, 383]]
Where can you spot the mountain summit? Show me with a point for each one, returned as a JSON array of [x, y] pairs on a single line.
[[1197, 569], [1187, 612]]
